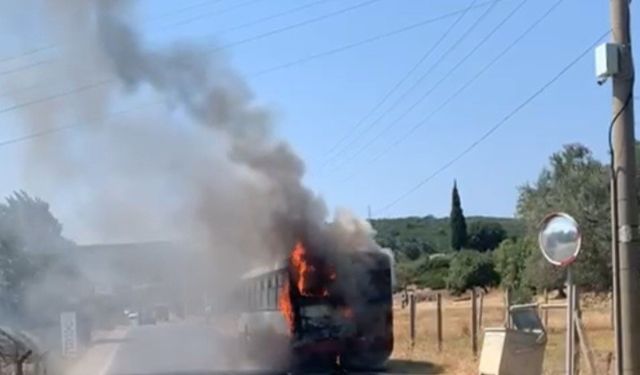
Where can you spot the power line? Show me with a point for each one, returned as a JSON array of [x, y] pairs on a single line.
[[107, 81], [186, 9], [59, 95], [496, 126], [468, 83], [397, 85], [372, 39], [24, 67], [27, 53], [271, 17], [214, 13], [95, 120], [294, 26], [431, 69], [243, 41], [55, 45]]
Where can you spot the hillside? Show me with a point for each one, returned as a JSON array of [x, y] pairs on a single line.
[[430, 234]]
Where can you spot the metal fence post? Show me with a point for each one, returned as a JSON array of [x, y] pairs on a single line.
[[439, 319], [412, 313], [474, 322]]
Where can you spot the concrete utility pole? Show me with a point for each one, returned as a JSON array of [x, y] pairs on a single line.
[[625, 167]]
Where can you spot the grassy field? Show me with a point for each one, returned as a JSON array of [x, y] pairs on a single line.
[[457, 357]]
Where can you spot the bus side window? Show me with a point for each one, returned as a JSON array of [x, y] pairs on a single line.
[[280, 279], [256, 295], [247, 289], [268, 293], [247, 296], [277, 289], [258, 298], [263, 293], [274, 291]]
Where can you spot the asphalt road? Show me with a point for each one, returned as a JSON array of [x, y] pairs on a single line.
[[179, 348], [173, 348], [176, 348]]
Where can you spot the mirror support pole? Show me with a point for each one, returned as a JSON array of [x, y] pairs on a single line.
[[570, 335]]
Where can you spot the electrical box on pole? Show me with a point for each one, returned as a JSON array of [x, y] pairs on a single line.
[[607, 61]]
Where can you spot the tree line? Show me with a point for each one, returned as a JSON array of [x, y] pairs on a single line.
[[485, 253]]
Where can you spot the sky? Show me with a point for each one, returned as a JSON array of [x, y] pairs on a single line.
[[362, 155]]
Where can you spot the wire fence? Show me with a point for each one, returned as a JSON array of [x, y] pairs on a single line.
[[450, 331], [20, 353]]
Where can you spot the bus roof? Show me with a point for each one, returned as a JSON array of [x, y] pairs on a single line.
[[282, 264], [262, 270]]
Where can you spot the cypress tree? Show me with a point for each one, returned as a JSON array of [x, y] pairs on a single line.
[[457, 221]]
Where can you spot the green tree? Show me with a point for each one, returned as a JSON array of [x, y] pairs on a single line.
[[485, 235], [29, 223], [15, 271], [510, 259], [471, 268], [576, 183], [432, 272], [457, 221], [31, 253]]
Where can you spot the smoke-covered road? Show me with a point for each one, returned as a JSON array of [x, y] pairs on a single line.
[[180, 348], [162, 349]]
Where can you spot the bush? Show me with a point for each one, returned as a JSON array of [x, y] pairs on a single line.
[[435, 279], [470, 268], [511, 259], [432, 272], [485, 235]]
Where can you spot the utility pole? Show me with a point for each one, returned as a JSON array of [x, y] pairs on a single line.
[[625, 174]]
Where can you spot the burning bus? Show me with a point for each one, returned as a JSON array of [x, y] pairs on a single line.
[[322, 311]]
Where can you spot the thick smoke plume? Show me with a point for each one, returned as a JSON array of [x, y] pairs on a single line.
[[202, 168], [213, 96], [166, 144]]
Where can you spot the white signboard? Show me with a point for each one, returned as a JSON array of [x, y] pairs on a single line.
[[69, 334]]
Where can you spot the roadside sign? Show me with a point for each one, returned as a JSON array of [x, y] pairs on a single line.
[[69, 334]]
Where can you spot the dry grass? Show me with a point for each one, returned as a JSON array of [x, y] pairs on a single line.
[[457, 357]]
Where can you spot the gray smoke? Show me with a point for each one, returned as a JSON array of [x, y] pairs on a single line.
[[213, 96], [199, 166]]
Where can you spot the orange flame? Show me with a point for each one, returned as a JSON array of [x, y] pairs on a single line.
[[302, 267], [306, 278], [310, 281], [284, 305]]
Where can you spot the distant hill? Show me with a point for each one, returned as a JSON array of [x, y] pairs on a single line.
[[430, 234]]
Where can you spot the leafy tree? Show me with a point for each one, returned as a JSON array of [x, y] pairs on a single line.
[[412, 250], [485, 236], [457, 221], [29, 233], [432, 234], [575, 183], [510, 259], [471, 268], [28, 223], [15, 271], [432, 272]]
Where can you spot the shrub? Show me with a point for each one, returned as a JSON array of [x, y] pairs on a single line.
[[470, 268]]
